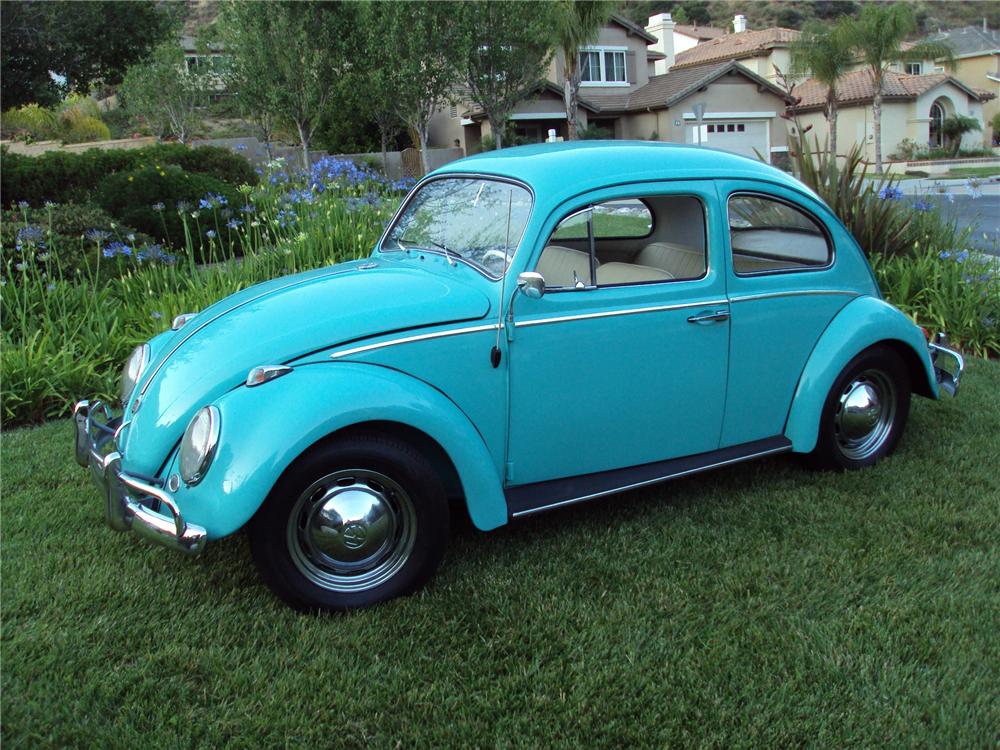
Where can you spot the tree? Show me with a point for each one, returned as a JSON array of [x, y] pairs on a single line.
[[422, 52], [878, 34], [290, 60], [824, 52], [164, 92], [84, 42], [505, 47], [955, 126], [382, 80], [575, 24]]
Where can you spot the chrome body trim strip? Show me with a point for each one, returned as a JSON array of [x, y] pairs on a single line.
[[225, 312], [793, 293], [418, 337], [615, 313], [636, 485]]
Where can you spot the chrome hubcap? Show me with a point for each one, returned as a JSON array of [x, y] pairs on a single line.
[[865, 414], [351, 530]]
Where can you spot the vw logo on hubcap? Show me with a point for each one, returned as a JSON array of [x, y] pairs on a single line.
[[355, 535]]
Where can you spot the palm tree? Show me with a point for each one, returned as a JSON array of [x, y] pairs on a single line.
[[575, 24], [878, 34], [825, 53]]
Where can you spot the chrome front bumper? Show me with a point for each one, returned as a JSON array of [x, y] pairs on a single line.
[[947, 378], [133, 503]]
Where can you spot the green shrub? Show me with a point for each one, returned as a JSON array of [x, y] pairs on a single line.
[[62, 177], [85, 130], [148, 199], [32, 120]]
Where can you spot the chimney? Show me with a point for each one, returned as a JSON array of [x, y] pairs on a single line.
[[662, 27], [739, 24]]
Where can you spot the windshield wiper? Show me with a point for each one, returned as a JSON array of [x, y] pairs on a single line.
[[447, 252]]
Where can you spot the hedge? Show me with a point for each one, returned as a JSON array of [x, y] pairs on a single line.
[[62, 177]]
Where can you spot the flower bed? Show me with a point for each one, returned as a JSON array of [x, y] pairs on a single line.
[[68, 326]]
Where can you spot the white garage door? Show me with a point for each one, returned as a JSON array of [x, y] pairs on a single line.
[[739, 137]]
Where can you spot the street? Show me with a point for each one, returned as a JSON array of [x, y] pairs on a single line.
[[983, 212]]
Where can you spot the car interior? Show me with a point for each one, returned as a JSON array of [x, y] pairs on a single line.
[[663, 238]]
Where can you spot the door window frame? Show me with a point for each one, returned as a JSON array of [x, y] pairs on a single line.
[[640, 195]]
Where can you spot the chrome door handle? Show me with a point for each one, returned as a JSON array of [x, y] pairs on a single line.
[[709, 317]]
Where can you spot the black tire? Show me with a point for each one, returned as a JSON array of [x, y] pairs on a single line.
[[865, 412], [352, 522]]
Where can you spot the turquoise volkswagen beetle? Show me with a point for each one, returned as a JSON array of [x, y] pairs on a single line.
[[536, 327]]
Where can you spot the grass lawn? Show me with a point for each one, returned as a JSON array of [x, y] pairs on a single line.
[[757, 606]]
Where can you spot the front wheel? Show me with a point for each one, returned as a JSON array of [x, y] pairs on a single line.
[[865, 412], [351, 523]]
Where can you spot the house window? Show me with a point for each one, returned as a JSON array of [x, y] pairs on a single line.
[[614, 66], [453, 111], [603, 66], [936, 137], [590, 67], [914, 68]]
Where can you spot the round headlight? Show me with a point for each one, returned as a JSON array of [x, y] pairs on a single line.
[[136, 363], [198, 444]]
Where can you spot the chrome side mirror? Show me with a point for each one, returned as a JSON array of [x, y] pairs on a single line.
[[531, 284]]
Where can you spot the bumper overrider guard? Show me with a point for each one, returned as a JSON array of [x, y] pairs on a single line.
[[947, 378], [133, 503]]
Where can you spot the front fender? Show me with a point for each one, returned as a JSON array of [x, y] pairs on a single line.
[[862, 323], [264, 429]]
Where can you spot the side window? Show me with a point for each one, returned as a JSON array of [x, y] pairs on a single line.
[[613, 219], [638, 240], [768, 235]]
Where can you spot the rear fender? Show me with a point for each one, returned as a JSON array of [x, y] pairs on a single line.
[[264, 429], [862, 323]]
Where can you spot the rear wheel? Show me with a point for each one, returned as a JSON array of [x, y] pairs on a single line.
[[865, 412], [352, 523]]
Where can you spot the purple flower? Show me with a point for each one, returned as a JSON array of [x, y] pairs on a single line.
[[22, 204], [945, 254], [248, 209], [234, 223], [30, 236], [210, 234], [922, 205], [890, 193], [158, 206], [96, 235], [240, 147]]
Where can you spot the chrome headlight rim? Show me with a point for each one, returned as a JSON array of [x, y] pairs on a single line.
[[134, 368], [204, 453]]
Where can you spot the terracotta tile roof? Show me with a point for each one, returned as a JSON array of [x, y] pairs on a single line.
[[736, 46], [699, 32], [859, 88]]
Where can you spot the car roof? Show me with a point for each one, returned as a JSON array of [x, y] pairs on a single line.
[[559, 170]]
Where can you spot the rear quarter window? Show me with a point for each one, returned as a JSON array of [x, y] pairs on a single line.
[[768, 235]]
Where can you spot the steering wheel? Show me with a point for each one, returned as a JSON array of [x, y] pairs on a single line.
[[499, 255]]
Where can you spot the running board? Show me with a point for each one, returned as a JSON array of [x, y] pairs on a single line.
[[526, 499]]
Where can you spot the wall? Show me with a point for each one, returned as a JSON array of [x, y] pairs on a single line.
[[41, 147], [973, 71]]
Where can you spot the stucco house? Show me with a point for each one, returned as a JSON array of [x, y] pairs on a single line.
[[622, 94], [976, 64], [913, 107]]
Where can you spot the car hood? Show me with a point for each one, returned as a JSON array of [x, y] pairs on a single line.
[[274, 323]]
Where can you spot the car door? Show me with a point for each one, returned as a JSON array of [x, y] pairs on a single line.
[[784, 289], [628, 368]]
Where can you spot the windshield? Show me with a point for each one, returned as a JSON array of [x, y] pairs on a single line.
[[464, 217]]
